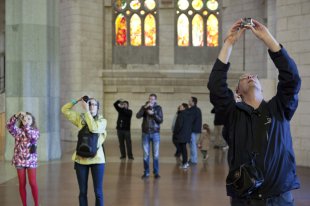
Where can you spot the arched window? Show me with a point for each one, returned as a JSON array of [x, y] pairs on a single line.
[[135, 22], [197, 31], [200, 17], [135, 32]]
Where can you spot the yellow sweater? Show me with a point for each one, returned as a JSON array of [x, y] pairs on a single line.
[[95, 126]]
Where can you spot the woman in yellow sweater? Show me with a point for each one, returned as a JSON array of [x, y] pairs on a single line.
[[96, 124]]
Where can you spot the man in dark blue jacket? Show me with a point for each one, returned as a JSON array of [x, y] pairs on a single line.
[[255, 125], [196, 118]]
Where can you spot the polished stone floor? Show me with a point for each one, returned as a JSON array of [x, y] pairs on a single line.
[[202, 184]]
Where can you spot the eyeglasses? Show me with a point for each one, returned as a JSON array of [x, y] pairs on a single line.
[[248, 76]]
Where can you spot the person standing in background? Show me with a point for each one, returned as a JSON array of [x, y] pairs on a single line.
[[152, 116], [182, 133], [196, 128], [123, 128], [177, 153], [204, 141]]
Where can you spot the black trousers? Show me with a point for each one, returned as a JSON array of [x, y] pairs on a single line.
[[183, 150], [124, 138]]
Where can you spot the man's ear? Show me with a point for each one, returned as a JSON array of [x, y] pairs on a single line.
[[238, 92]]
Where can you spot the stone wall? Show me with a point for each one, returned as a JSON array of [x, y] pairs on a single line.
[[293, 31]]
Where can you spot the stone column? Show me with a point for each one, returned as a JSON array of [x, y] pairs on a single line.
[[32, 70], [82, 55]]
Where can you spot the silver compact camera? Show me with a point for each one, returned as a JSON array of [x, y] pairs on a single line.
[[246, 22]]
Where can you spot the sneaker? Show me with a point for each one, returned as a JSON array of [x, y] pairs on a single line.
[[184, 166], [131, 158], [225, 147], [144, 176], [122, 158], [157, 176]]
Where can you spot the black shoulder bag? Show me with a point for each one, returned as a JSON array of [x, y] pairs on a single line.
[[87, 143], [245, 179]]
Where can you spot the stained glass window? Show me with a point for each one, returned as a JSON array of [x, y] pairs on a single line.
[[183, 30], [197, 23], [150, 30], [135, 30], [135, 22], [197, 30], [212, 31], [121, 30]]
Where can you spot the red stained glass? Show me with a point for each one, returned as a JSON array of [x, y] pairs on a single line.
[[121, 30]]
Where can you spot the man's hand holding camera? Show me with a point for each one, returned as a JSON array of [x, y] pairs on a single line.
[[121, 103], [262, 33], [149, 108], [235, 32], [238, 29]]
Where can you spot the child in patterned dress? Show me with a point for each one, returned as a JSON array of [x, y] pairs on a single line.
[[22, 126]]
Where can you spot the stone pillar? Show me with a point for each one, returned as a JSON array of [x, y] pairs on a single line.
[[82, 55], [32, 70]]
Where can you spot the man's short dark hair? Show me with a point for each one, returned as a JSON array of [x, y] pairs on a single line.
[[195, 100], [126, 102], [153, 95]]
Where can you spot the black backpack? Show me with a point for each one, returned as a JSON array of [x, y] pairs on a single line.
[[87, 143]]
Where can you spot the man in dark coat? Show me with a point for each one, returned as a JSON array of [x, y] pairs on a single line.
[[182, 132], [123, 128], [196, 118]]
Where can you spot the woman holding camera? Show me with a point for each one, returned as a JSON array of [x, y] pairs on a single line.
[[96, 124], [22, 126]]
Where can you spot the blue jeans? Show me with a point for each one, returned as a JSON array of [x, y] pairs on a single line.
[[193, 148], [285, 199], [147, 138], [97, 171]]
